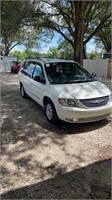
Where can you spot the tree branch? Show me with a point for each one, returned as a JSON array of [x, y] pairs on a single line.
[[14, 46], [97, 28], [66, 38]]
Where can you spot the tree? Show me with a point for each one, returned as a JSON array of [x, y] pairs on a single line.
[[103, 38], [94, 55], [76, 21], [102, 34], [18, 54], [66, 50], [27, 54], [15, 14], [53, 53]]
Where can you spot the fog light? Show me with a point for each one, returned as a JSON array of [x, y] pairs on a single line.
[[70, 119], [75, 120]]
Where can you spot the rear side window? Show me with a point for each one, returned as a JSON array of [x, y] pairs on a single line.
[[28, 68], [24, 65]]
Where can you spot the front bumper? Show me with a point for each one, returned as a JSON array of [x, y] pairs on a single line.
[[79, 115]]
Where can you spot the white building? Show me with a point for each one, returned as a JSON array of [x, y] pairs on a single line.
[[102, 67], [5, 62]]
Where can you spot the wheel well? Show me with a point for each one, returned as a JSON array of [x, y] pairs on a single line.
[[21, 84], [45, 99], [55, 116]]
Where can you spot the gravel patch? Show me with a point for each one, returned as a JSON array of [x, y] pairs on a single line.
[[40, 160]]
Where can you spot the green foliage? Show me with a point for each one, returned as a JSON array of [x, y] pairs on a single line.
[[103, 38], [77, 21], [27, 54], [66, 50], [53, 53], [14, 17], [94, 55], [60, 52], [31, 54], [20, 55], [28, 22]]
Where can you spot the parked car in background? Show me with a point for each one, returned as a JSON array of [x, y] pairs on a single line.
[[65, 90], [107, 55], [15, 67]]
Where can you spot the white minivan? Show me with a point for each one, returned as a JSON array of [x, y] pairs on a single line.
[[65, 90]]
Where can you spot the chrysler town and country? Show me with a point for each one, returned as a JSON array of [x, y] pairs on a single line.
[[65, 90]]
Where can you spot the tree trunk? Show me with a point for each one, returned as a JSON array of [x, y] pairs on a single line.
[[6, 52], [79, 31], [107, 47], [6, 49], [84, 52]]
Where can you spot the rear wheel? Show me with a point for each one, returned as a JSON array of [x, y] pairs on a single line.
[[50, 112], [22, 91], [11, 69]]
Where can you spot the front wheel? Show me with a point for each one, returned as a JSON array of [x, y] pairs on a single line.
[[50, 112], [22, 91]]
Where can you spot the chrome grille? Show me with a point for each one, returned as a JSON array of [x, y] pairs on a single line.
[[95, 102]]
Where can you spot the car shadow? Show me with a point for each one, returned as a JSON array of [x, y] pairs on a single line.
[[28, 111], [89, 182], [31, 113], [39, 154], [62, 127]]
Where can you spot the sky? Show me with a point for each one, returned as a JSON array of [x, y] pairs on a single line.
[[54, 43]]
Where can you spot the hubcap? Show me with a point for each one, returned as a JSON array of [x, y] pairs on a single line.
[[49, 111]]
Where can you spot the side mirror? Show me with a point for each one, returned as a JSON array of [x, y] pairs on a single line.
[[93, 75], [40, 79], [37, 78]]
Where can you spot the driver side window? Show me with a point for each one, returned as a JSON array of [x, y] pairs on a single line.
[[38, 74]]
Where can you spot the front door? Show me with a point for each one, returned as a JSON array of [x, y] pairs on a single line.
[[38, 83]]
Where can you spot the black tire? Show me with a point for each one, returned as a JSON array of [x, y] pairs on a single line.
[[50, 112], [11, 70], [22, 91]]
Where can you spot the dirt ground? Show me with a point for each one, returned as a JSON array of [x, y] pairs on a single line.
[[43, 161]]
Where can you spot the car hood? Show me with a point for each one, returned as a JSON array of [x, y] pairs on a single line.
[[85, 90]]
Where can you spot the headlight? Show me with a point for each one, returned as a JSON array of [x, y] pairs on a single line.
[[68, 102]]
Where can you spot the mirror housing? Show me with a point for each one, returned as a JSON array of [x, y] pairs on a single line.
[[36, 78], [40, 79], [93, 74]]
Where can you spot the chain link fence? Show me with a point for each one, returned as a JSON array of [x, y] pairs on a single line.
[[106, 81]]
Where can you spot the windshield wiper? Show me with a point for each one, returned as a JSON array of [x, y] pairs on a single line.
[[88, 80], [77, 81], [72, 81]]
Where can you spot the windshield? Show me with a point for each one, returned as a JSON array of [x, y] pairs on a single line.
[[66, 72]]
